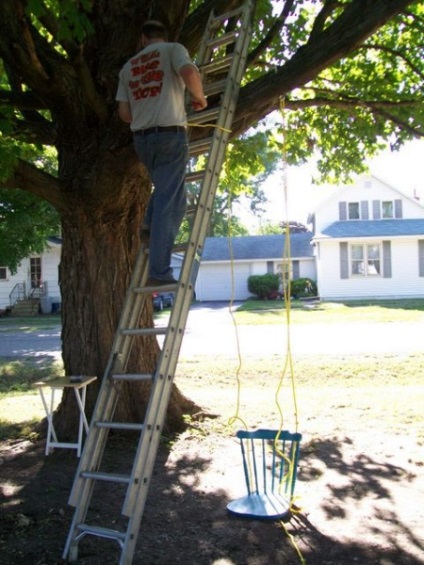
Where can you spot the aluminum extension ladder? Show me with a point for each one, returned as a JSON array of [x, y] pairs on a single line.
[[221, 61]]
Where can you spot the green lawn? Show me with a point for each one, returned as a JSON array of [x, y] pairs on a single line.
[[273, 311], [389, 383]]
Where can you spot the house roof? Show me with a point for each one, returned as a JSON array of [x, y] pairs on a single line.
[[373, 228], [256, 247]]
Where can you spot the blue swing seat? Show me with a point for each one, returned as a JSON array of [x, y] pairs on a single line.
[[270, 476]]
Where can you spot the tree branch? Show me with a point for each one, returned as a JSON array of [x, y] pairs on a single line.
[[21, 100], [34, 129], [273, 32], [356, 23], [324, 14], [396, 54], [31, 179]]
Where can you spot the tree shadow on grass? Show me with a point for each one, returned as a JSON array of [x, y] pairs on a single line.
[[185, 519]]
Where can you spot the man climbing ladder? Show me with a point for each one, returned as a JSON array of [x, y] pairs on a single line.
[[222, 60], [151, 99]]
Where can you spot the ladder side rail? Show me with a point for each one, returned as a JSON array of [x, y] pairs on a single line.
[[158, 401], [108, 394]]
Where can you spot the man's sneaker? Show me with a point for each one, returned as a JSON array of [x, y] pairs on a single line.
[[151, 281]]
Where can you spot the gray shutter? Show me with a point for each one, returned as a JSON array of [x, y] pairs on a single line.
[[398, 209], [387, 260], [270, 267], [342, 211], [421, 257], [296, 270], [344, 261], [364, 210], [376, 210]]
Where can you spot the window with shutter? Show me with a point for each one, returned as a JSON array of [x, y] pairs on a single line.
[[376, 215], [387, 260], [421, 257], [344, 261], [398, 209]]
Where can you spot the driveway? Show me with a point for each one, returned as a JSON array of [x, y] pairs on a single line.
[[210, 330]]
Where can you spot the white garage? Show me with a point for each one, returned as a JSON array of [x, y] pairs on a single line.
[[215, 281]]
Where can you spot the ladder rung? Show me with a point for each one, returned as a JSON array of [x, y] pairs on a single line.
[[225, 39], [218, 65], [120, 426], [151, 289], [132, 377], [205, 116], [143, 331], [195, 176], [199, 146], [221, 18], [101, 532], [180, 248], [110, 477], [215, 87]]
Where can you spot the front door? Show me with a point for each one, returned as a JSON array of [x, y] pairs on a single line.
[[35, 274]]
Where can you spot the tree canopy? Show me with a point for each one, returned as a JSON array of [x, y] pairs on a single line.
[[346, 77]]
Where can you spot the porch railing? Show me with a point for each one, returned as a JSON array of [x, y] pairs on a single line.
[[18, 293]]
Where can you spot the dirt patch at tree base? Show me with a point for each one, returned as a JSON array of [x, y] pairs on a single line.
[[361, 501]]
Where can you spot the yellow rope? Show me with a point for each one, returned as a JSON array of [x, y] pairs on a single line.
[[189, 124], [293, 542], [236, 417], [288, 365]]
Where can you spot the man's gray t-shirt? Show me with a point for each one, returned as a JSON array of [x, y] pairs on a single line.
[[151, 83]]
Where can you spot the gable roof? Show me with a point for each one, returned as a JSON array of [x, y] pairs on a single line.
[[373, 228], [256, 247], [338, 191]]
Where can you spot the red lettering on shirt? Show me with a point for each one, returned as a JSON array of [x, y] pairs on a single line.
[[148, 91], [146, 68], [152, 76]]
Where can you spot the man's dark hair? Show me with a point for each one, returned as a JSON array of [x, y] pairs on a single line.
[[153, 29]]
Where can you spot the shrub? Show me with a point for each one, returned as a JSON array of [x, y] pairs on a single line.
[[263, 286], [303, 287]]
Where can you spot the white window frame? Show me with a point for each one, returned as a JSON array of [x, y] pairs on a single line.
[[349, 204], [368, 262], [387, 216], [288, 270], [6, 274]]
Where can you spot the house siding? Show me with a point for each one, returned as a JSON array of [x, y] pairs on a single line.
[[50, 260], [405, 281], [215, 281], [365, 189]]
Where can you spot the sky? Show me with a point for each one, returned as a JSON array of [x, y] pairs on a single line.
[[403, 170]]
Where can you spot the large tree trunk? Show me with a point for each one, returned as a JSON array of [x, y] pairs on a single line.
[[100, 244]]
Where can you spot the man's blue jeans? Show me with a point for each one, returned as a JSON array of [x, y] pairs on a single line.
[[165, 155]]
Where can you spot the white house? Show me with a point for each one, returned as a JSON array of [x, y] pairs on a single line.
[[36, 276], [369, 243]]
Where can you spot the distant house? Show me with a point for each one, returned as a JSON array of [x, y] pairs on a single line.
[[228, 263], [369, 243], [36, 279]]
